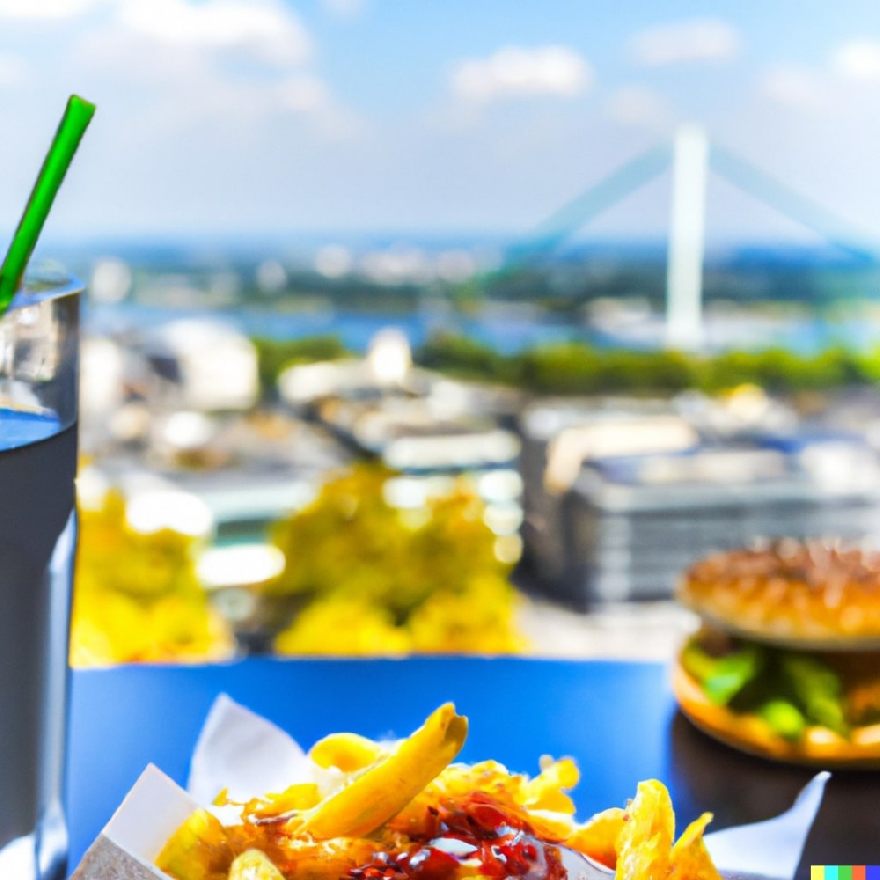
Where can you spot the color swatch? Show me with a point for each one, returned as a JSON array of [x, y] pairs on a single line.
[[845, 872]]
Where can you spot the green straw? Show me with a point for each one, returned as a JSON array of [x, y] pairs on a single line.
[[77, 116]]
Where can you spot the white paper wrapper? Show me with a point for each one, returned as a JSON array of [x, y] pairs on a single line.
[[248, 755], [251, 754], [131, 841]]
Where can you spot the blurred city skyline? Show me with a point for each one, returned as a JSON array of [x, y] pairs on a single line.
[[265, 117]]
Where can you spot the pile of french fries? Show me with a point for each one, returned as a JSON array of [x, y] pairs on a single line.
[[369, 797]]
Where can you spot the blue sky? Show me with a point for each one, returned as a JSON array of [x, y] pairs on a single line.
[[268, 116]]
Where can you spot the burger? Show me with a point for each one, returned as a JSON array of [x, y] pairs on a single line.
[[786, 662]]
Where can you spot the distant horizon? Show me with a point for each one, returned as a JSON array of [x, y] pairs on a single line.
[[298, 240]]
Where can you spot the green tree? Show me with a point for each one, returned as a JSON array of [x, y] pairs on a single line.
[[274, 355]]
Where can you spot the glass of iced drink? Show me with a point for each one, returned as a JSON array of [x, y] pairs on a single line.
[[39, 347]]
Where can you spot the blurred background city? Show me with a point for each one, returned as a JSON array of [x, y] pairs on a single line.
[[449, 327]]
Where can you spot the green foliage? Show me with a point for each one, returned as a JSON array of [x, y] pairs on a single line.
[[776, 369], [462, 356], [274, 355], [647, 371], [578, 368], [566, 368], [868, 365]]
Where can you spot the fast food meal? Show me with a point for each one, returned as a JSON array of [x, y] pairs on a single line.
[[787, 661], [405, 811]]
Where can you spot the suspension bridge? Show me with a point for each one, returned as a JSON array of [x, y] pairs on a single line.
[[690, 157]]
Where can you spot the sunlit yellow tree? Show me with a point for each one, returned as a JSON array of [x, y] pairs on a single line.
[[137, 597], [371, 578]]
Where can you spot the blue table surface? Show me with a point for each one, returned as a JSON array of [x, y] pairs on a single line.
[[616, 718]]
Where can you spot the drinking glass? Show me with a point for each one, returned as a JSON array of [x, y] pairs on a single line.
[[39, 365]]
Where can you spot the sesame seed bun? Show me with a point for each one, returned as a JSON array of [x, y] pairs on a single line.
[[813, 594]]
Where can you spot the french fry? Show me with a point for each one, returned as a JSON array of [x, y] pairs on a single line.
[[385, 788], [690, 858], [198, 850], [644, 847], [325, 860], [300, 796], [254, 865], [347, 752], [396, 797], [547, 790], [597, 837]]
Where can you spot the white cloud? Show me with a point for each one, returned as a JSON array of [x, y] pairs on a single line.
[[858, 60], [704, 39], [181, 71], [826, 88], [12, 70], [795, 86], [515, 71], [304, 93], [122, 57], [638, 105], [35, 10], [265, 30]]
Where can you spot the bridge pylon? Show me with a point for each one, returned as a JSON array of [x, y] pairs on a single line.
[[687, 236]]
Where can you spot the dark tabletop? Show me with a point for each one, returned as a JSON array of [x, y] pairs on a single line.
[[617, 719]]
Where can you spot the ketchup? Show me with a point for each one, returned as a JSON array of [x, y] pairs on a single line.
[[476, 833]]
